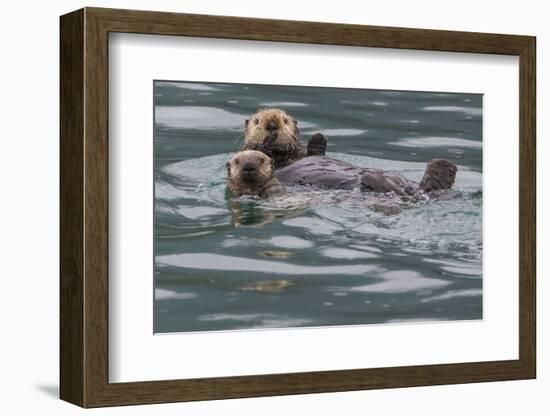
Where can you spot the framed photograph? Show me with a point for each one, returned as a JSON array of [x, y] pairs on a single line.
[[255, 207]]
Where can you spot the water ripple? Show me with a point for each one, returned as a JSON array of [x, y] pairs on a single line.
[[200, 118], [207, 261], [402, 281]]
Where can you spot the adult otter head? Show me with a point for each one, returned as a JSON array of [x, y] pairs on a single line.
[[275, 133], [250, 172]]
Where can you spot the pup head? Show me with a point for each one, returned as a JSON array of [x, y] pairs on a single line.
[[248, 171]]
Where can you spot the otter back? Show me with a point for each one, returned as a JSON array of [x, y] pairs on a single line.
[[331, 173]]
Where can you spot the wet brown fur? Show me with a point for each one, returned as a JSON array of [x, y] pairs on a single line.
[[275, 133], [259, 181]]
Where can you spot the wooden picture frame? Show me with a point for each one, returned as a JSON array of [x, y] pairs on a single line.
[[84, 207]]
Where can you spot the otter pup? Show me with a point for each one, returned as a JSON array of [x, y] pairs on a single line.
[[250, 172], [275, 133]]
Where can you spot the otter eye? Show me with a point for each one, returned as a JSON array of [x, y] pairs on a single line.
[[256, 121], [236, 161], [285, 120], [262, 160]]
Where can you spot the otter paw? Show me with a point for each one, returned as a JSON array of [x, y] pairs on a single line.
[[317, 145], [440, 174]]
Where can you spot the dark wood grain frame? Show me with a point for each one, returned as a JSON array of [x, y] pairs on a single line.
[[84, 218]]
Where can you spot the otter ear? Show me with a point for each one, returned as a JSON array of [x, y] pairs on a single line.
[[295, 122], [246, 122]]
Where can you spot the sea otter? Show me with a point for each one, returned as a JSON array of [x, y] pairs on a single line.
[[331, 173], [275, 133], [250, 172]]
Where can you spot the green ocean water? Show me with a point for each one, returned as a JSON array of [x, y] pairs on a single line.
[[313, 258]]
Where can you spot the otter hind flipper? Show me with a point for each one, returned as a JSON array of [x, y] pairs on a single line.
[[317, 145], [440, 174]]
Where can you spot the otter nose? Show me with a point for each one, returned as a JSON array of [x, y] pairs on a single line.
[[249, 167], [271, 126]]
